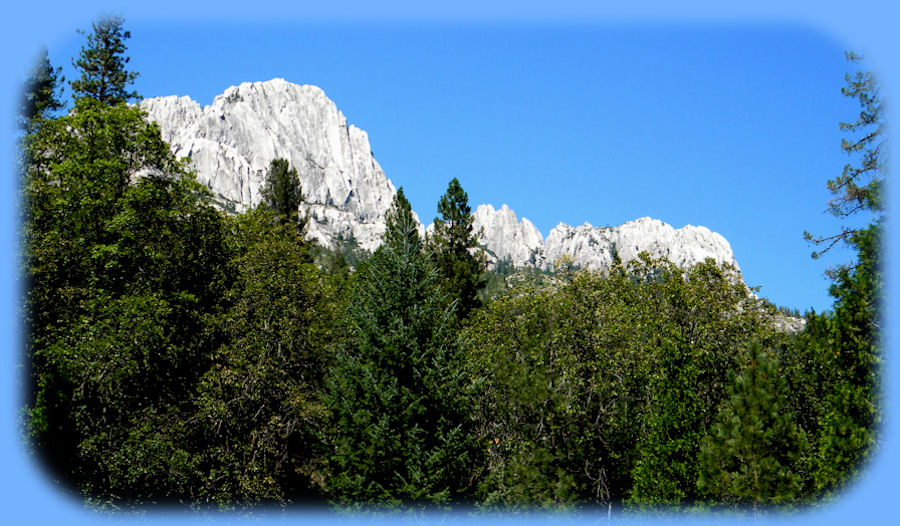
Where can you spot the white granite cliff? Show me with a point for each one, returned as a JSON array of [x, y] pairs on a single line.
[[594, 247], [231, 142]]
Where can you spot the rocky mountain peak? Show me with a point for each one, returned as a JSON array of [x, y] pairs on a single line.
[[231, 142]]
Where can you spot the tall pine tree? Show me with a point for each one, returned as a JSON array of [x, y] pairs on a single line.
[[102, 64], [400, 213], [849, 349], [282, 192], [398, 393], [454, 248]]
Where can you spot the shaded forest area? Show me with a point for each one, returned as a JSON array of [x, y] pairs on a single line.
[[179, 354]]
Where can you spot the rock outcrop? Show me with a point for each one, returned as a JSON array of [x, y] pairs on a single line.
[[507, 238], [232, 141], [520, 243]]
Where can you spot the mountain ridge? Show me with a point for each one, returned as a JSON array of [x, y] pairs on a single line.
[[231, 142]]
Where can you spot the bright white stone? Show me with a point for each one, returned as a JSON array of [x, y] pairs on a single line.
[[507, 238], [593, 247], [232, 141]]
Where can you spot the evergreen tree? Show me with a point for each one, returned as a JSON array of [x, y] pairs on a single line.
[[398, 394], [282, 192], [41, 95], [400, 213], [752, 454], [860, 187], [849, 348], [102, 64], [454, 247]]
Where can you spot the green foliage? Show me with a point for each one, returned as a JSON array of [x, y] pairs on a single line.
[[702, 317], [123, 261], [665, 472], [600, 391], [849, 421], [176, 353], [398, 216], [844, 349], [41, 93], [258, 406], [505, 279], [454, 248], [282, 192], [80, 169], [752, 455], [102, 64], [398, 392]]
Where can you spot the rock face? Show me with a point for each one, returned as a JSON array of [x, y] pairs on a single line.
[[505, 237], [232, 141], [594, 247]]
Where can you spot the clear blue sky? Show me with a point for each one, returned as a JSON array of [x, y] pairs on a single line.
[[688, 112]]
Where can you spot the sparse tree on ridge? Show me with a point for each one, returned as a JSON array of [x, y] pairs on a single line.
[[102, 64]]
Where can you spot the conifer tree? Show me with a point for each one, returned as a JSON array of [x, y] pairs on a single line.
[[860, 187], [41, 96], [282, 192], [848, 430], [454, 247], [398, 394], [849, 349], [400, 213], [752, 454], [102, 64]]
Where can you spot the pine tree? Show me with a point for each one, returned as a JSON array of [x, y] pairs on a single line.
[[282, 192], [454, 246], [398, 394], [752, 454], [400, 213], [860, 187], [41, 96], [849, 349], [102, 64]]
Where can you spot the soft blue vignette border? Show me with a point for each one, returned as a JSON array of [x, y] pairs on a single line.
[[26, 494]]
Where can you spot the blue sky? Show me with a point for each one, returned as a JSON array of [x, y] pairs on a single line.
[[732, 126], [689, 113]]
